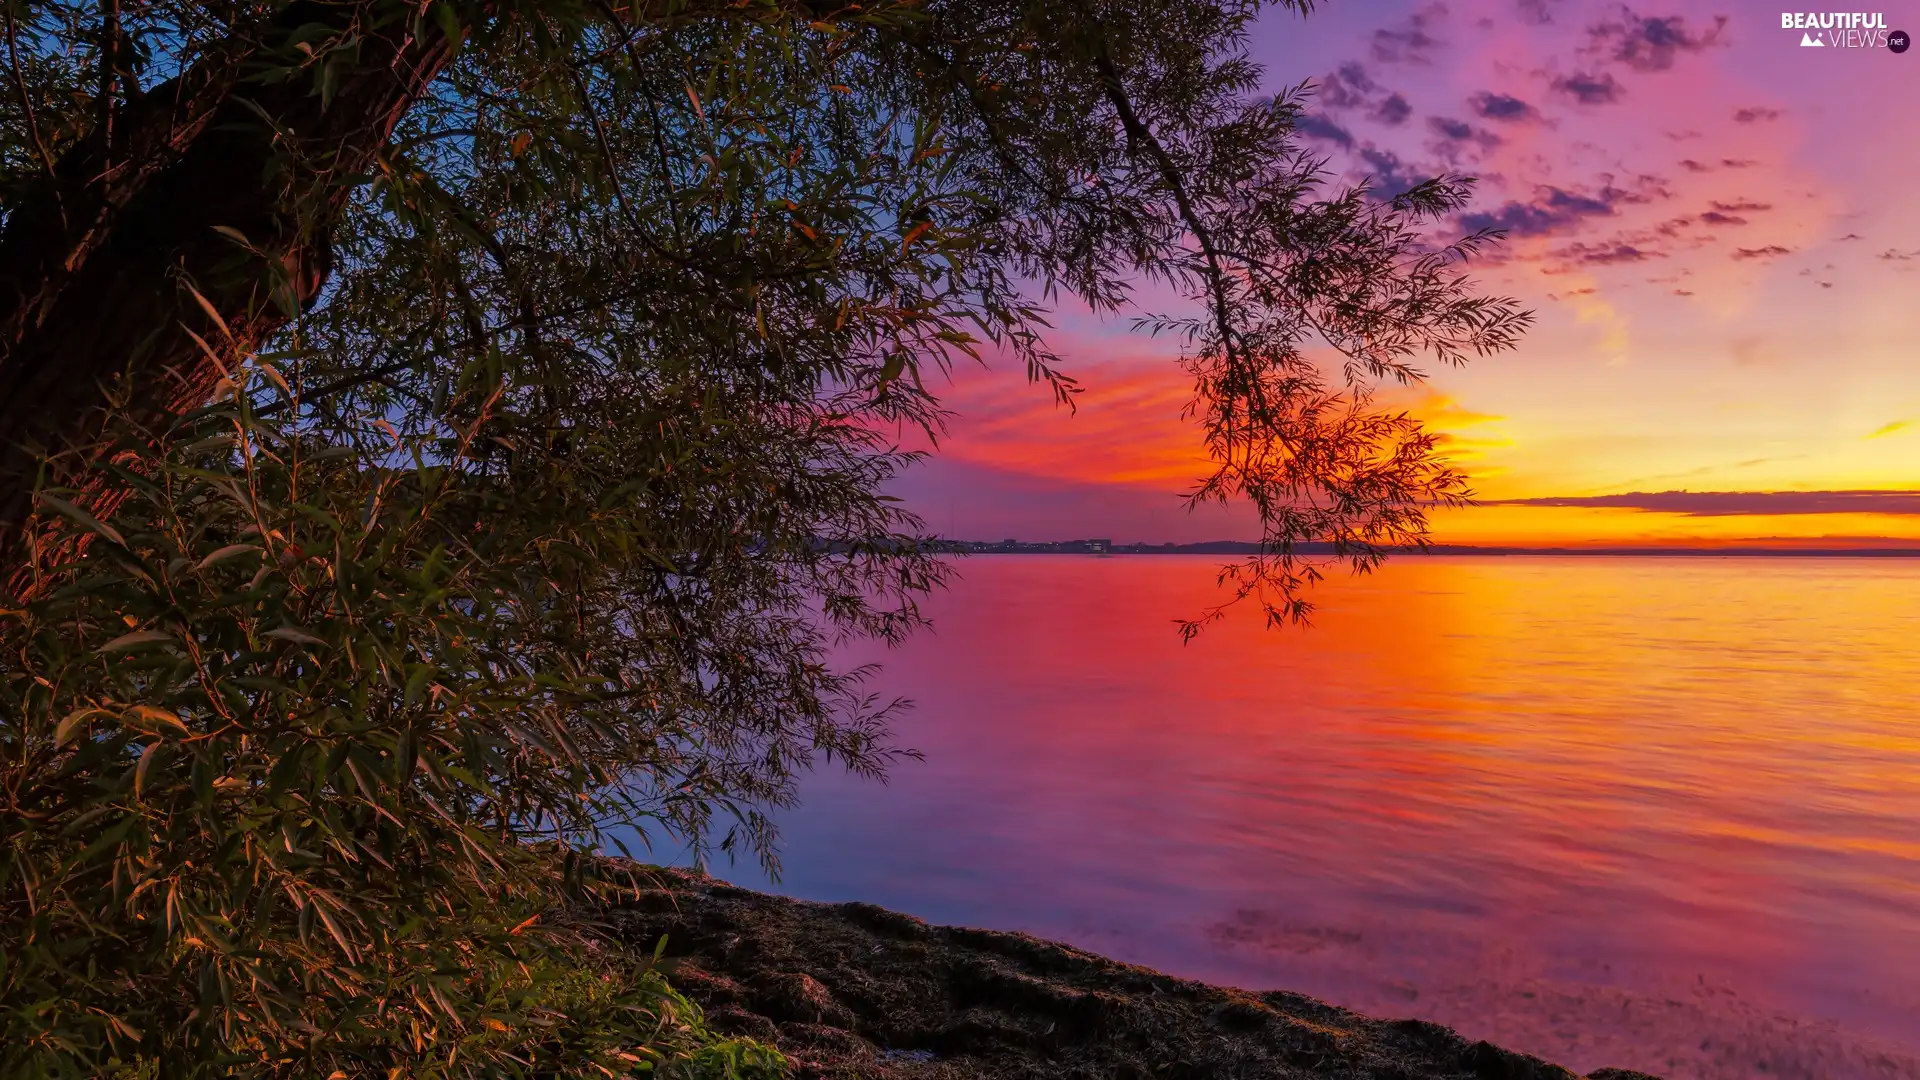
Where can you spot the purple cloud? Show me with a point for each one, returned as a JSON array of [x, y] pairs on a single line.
[[1555, 211], [1348, 87], [1651, 43], [1502, 107], [1393, 111], [1411, 41], [1391, 176], [1609, 254], [1600, 89], [1315, 126]]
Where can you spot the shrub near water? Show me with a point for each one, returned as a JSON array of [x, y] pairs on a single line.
[[300, 754]]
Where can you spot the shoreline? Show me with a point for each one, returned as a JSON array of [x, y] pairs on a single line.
[[857, 991]]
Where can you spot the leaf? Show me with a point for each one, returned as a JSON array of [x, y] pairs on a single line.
[[208, 349], [151, 718], [134, 640], [914, 235], [85, 519], [333, 929], [295, 635], [328, 78], [417, 682], [147, 758], [273, 376], [124, 1028], [226, 553], [234, 235], [449, 21], [70, 725], [212, 313]]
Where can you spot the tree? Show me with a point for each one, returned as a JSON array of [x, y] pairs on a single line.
[[440, 430]]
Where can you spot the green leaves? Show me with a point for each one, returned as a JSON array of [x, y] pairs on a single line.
[[83, 519], [295, 635], [337, 791], [137, 639]]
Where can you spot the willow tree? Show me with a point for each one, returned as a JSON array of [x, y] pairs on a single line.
[[437, 430]]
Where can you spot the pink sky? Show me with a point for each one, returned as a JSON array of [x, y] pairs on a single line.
[[1712, 222]]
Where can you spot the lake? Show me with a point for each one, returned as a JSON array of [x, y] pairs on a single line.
[[1655, 813]]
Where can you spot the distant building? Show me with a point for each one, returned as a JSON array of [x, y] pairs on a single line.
[[1102, 546]]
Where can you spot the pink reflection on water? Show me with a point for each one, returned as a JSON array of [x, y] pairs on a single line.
[[1653, 813]]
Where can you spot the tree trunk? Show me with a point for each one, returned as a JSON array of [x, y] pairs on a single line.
[[100, 265]]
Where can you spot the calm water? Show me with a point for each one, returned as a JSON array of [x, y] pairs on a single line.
[[1653, 813]]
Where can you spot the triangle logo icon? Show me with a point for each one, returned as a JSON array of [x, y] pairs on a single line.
[[1809, 41]]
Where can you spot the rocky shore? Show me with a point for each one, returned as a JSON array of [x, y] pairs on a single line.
[[854, 990]]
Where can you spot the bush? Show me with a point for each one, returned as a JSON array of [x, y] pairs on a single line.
[[306, 754]]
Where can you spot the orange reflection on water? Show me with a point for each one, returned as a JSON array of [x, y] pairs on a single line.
[[1657, 813]]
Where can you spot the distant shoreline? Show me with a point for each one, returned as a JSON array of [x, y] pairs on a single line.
[[1238, 547]]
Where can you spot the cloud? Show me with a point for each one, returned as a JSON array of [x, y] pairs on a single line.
[[1315, 126], [1502, 107], [1768, 252], [1893, 255], [1607, 254], [1436, 409], [1554, 211], [1733, 503], [1411, 41], [1715, 217], [1725, 163], [1540, 12], [1755, 115], [1651, 43], [1741, 206], [1347, 88], [1888, 429], [1448, 128], [1600, 89], [1393, 111], [1391, 176]]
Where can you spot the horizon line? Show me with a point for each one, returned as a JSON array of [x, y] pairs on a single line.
[[1877, 547]]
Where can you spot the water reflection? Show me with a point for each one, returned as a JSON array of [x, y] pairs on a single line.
[[1654, 813]]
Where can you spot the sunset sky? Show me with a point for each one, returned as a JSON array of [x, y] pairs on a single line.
[[1715, 225]]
